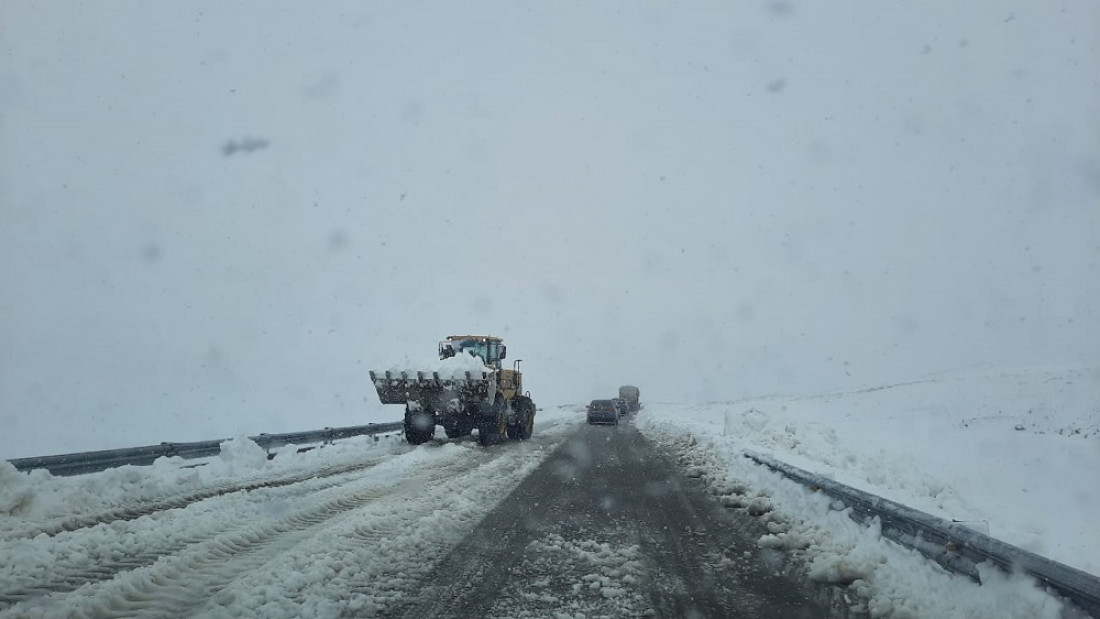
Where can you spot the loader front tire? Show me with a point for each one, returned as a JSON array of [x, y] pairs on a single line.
[[419, 427]]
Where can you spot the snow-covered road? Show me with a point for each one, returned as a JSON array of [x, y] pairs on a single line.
[[351, 537], [605, 528], [609, 526], [353, 529]]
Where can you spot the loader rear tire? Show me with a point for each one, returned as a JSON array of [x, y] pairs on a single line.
[[522, 430], [527, 428], [525, 409]]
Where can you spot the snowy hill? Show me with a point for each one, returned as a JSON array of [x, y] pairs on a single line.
[[1013, 453]]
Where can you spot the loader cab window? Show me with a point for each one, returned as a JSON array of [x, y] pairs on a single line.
[[490, 353], [476, 348], [473, 347]]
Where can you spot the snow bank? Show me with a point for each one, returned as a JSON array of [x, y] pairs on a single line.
[[1011, 453], [40, 500], [15, 489], [243, 452], [888, 579]]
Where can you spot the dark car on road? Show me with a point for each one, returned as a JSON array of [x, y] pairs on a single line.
[[603, 411]]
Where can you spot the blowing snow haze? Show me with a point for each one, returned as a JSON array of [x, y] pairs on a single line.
[[712, 201]]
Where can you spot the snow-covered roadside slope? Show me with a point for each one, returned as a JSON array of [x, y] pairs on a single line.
[[1015, 453]]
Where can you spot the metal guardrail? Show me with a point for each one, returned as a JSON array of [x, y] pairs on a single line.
[[953, 546], [94, 461]]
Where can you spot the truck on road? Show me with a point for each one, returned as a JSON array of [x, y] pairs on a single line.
[[630, 393]]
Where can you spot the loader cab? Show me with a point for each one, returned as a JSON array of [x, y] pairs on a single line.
[[490, 350]]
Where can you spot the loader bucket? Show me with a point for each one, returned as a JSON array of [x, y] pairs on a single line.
[[430, 390]]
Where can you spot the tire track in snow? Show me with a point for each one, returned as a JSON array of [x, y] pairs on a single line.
[[182, 583], [133, 512], [367, 566], [173, 584], [72, 559]]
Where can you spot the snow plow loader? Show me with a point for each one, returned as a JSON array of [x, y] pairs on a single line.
[[469, 390]]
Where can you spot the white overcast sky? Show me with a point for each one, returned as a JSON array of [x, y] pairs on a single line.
[[711, 200]]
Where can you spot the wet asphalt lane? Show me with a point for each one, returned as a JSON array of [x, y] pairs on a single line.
[[609, 526]]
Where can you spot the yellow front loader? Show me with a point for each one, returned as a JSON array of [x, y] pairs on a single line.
[[471, 390]]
